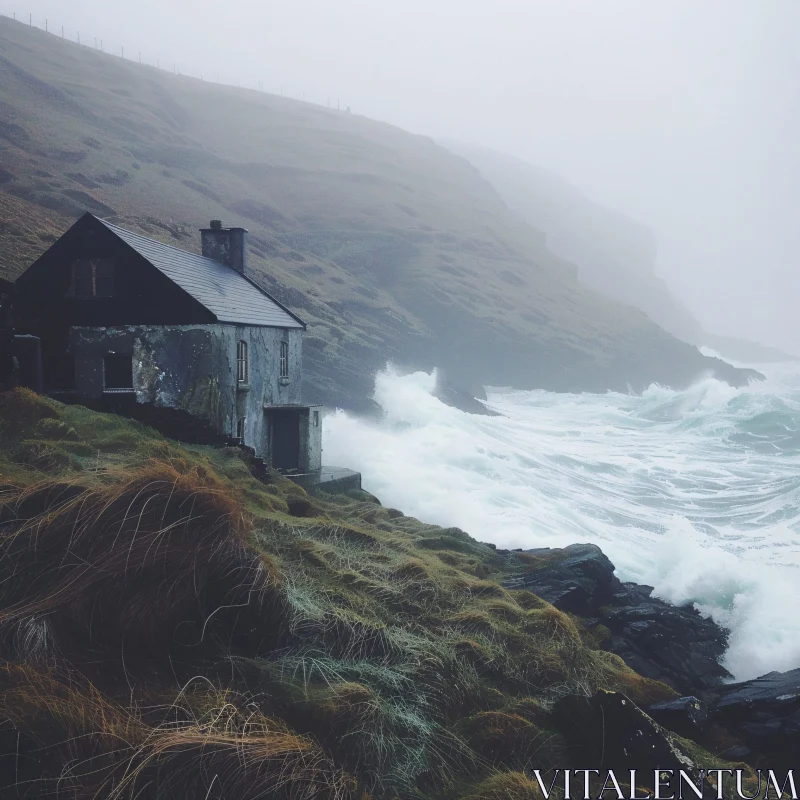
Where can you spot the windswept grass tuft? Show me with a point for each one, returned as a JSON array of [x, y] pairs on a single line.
[[202, 744], [132, 567]]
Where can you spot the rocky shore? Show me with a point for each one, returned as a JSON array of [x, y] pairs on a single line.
[[755, 721], [178, 626]]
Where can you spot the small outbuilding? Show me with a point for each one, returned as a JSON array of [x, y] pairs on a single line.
[[125, 320]]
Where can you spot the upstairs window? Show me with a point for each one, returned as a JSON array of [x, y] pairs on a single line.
[[83, 278], [284, 373], [93, 277], [104, 278], [118, 373], [242, 369]]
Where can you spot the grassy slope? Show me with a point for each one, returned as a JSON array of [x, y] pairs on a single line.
[[174, 627], [389, 245]]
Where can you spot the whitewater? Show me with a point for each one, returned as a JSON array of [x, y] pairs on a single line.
[[695, 492]]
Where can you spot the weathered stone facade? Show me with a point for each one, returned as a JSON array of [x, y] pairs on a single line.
[[193, 368]]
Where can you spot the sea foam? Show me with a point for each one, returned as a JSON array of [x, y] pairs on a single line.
[[696, 493]]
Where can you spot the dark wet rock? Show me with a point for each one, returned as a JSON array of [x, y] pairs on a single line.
[[461, 399], [610, 732], [686, 716], [631, 737], [764, 713], [676, 645], [734, 376], [740, 752], [580, 582]]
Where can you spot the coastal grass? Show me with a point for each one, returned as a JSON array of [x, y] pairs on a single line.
[[171, 626]]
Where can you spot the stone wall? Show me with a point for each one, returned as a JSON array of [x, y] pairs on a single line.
[[194, 368]]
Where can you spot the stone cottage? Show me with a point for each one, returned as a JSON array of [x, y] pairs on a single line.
[[123, 320]]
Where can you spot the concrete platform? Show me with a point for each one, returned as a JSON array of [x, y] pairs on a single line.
[[334, 480]]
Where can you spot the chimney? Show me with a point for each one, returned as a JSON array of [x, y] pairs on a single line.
[[226, 245]]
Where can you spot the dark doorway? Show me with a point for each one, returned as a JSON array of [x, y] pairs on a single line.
[[285, 427], [118, 372]]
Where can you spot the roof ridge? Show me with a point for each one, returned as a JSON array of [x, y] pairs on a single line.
[[211, 282], [158, 242]]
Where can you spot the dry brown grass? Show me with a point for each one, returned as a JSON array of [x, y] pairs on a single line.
[[149, 559], [203, 744]]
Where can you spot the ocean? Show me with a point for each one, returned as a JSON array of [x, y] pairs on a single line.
[[695, 492]]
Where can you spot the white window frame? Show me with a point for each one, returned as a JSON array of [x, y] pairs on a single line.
[[283, 372], [242, 362]]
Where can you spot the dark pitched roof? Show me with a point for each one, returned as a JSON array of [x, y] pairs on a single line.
[[226, 293]]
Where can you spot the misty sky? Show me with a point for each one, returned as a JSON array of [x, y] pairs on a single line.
[[681, 113]]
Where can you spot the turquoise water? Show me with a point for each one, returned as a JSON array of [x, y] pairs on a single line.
[[696, 493]]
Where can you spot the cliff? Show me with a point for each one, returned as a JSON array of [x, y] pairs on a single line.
[[390, 246], [614, 254]]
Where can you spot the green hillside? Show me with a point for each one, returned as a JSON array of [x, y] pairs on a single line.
[[387, 244], [172, 627]]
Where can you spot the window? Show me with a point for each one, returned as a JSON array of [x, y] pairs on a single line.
[[82, 279], [104, 278], [242, 371], [316, 419], [93, 277], [118, 373], [240, 428], [284, 360]]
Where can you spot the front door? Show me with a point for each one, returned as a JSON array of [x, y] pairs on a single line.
[[285, 439]]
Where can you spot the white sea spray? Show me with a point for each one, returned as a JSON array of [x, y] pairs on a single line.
[[696, 492]]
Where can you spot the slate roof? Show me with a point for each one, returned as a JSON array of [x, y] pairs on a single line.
[[226, 293]]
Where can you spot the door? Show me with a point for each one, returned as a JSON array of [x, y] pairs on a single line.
[[285, 439]]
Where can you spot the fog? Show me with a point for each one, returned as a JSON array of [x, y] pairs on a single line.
[[682, 114]]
